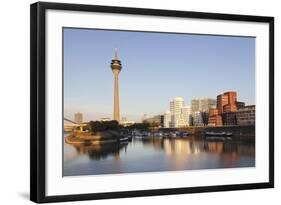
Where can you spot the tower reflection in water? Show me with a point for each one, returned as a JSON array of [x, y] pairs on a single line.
[[232, 150], [98, 152]]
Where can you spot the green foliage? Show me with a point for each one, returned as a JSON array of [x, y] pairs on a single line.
[[104, 126], [97, 126], [139, 126]]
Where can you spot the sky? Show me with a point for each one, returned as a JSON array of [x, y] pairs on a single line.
[[156, 67]]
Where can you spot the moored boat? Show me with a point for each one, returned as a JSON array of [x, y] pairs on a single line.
[[218, 134], [184, 134], [223, 138]]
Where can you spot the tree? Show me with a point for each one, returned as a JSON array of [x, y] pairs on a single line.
[[103, 126], [139, 126]]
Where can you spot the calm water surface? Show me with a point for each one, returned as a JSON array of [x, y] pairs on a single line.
[[154, 154]]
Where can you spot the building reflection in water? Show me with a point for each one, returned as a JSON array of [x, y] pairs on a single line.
[[192, 146], [156, 154], [177, 147]]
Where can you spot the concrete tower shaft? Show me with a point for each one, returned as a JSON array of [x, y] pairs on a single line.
[[116, 67]]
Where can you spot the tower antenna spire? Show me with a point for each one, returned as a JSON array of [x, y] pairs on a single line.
[[115, 53]]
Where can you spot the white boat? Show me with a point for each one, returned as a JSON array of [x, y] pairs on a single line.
[[223, 138], [158, 134], [184, 134], [173, 134], [124, 139], [218, 134], [138, 137]]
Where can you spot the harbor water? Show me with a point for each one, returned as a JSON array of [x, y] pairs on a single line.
[[154, 154]]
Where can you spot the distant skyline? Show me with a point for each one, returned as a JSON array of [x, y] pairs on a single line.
[[156, 68]]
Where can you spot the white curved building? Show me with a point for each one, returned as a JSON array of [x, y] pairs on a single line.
[[180, 114], [167, 119]]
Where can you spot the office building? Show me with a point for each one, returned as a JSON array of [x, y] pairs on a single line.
[[222, 100], [246, 115], [78, 118], [176, 106], [227, 102], [240, 105], [229, 118], [195, 105], [202, 104], [167, 119], [214, 119], [207, 103], [186, 117], [198, 118]]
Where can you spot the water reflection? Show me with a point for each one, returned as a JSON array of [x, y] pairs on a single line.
[[98, 152], [193, 146], [157, 154]]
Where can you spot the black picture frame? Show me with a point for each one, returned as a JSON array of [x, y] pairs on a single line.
[[38, 101]]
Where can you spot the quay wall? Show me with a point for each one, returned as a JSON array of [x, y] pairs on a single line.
[[247, 131]]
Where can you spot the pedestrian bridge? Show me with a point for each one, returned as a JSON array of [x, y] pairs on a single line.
[[69, 125]]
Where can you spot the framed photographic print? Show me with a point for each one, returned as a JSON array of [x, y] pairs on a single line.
[[129, 102]]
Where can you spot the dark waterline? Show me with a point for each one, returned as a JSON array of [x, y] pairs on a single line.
[[154, 154]]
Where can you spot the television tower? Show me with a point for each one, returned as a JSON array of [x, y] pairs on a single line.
[[116, 67]]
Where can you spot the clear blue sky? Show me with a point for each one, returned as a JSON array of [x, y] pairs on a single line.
[[156, 68]]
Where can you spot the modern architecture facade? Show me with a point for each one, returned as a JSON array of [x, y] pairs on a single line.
[[229, 111], [225, 110], [185, 116], [167, 119], [202, 104], [227, 102], [176, 106], [198, 118], [195, 105], [222, 100], [180, 114], [229, 118], [246, 115], [240, 105], [214, 119]]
